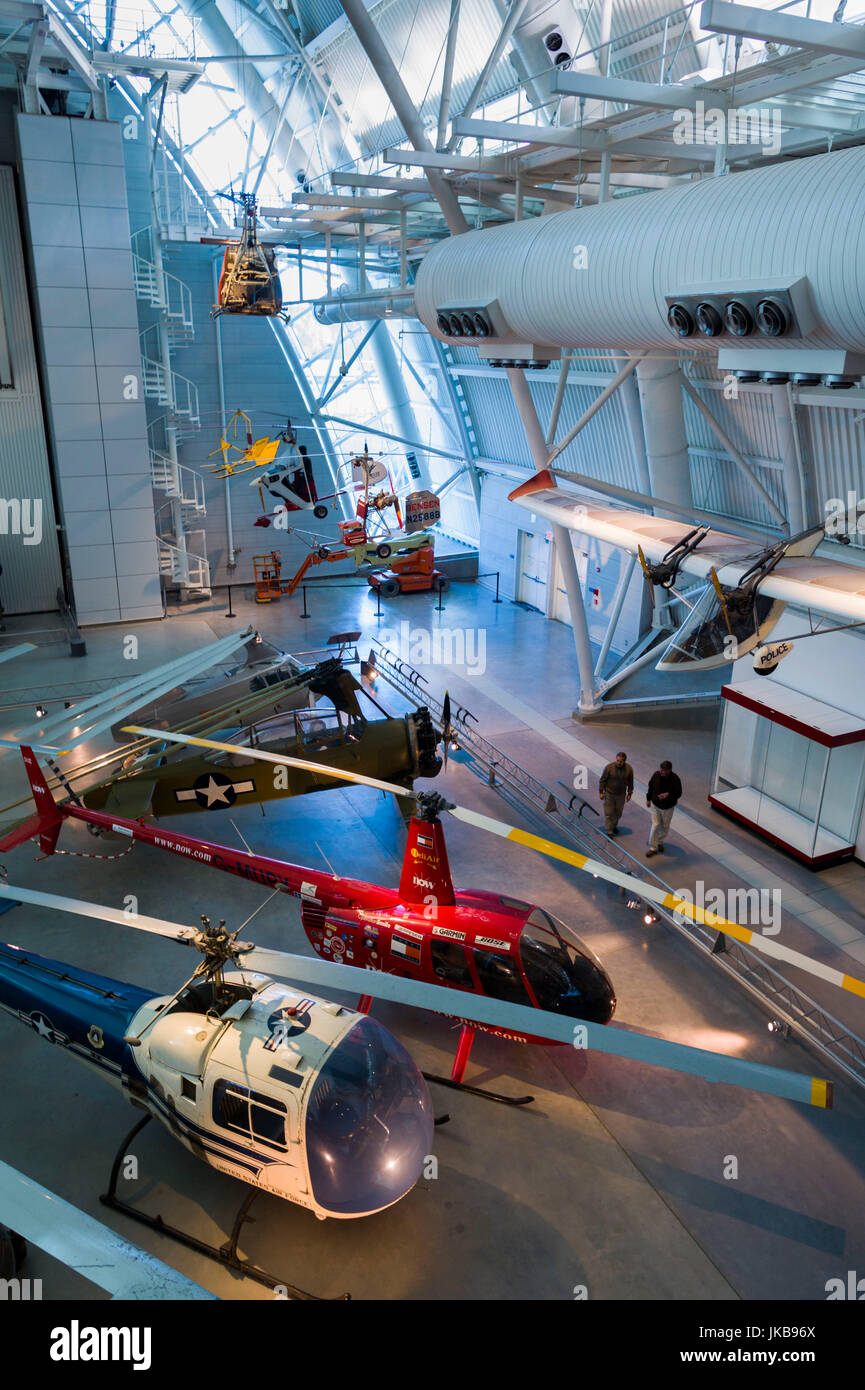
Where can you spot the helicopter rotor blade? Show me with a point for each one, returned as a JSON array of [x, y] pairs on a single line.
[[186, 936], [80, 1242], [519, 1018], [652, 893], [516, 1018], [278, 759]]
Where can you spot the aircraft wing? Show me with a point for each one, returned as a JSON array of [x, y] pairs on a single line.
[[829, 586]]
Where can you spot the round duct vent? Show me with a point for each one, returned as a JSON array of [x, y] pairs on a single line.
[[772, 318], [468, 325], [481, 326], [456, 326], [443, 324], [738, 319], [708, 320], [680, 320]]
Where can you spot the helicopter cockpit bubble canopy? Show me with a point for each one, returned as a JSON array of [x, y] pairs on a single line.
[[564, 973], [369, 1124], [705, 640]]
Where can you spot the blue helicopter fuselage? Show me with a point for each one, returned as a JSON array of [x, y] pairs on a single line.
[[85, 1013]]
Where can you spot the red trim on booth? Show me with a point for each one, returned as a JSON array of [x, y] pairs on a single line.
[[731, 692], [820, 861]]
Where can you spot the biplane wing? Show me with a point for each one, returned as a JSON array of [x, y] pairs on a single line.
[[827, 586]]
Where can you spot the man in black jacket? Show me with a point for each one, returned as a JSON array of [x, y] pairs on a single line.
[[662, 793]]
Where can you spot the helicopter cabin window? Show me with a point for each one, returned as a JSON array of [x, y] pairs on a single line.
[[500, 978], [249, 1113], [450, 962]]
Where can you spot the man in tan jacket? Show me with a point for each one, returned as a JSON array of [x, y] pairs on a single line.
[[616, 787]]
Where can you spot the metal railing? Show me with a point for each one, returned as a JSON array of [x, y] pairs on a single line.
[[568, 815], [183, 566]]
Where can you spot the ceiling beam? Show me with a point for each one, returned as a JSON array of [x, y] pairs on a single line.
[[772, 26], [586, 84], [568, 136], [432, 159]]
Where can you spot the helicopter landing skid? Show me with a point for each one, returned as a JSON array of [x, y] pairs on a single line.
[[226, 1254], [478, 1091]]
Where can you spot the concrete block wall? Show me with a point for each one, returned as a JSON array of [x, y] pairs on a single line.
[[74, 195]]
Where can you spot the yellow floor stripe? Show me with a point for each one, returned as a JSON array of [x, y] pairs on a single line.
[[855, 986]]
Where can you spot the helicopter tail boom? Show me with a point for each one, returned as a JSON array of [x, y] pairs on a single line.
[[48, 819]]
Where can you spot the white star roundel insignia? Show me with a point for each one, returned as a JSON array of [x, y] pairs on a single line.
[[42, 1025], [213, 790]]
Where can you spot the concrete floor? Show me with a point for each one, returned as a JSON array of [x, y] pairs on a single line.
[[615, 1177]]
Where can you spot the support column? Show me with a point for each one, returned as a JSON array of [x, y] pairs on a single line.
[[795, 482], [660, 385], [564, 549]]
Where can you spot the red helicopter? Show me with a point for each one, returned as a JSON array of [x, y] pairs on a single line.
[[478, 942]]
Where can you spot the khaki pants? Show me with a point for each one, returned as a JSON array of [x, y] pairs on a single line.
[[614, 805], [660, 825]]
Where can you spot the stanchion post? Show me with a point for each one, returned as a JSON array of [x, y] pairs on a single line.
[[230, 613], [378, 601], [305, 613], [497, 599]]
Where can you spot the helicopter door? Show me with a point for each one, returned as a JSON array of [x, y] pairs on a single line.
[[451, 963], [500, 978]]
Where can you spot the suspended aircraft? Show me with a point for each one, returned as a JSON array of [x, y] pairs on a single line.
[[249, 283], [153, 783], [473, 954], [748, 589]]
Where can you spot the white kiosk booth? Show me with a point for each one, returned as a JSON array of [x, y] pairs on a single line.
[[791, 768]]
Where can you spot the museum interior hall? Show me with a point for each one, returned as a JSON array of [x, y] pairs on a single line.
[[432, 651]]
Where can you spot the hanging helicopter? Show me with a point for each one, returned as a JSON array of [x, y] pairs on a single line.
[[747, 592], [249, 283], [477, 945]]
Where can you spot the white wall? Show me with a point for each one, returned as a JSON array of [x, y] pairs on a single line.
[[501, 521]]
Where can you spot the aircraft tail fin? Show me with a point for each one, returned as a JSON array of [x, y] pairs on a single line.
[[426, 874], [48, 819], [540, 482]]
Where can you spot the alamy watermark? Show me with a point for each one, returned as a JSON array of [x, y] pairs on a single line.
[[22, 516], [440, 646], [752, 907], [713, 125]]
